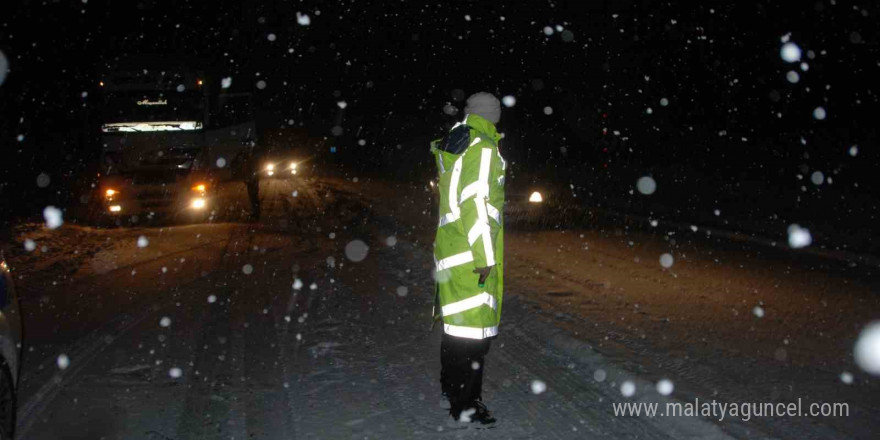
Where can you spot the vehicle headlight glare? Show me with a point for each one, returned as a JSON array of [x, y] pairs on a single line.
[[198, 203]]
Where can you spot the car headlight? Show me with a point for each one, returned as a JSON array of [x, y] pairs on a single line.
[[293, 165], [200, 187], [115, 208], [110, 193], [270, 167], [198, 203]]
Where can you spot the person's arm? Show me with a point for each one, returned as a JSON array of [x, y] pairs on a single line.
[[474, 193]]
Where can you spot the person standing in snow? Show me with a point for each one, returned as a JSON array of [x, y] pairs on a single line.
[[468, 253]]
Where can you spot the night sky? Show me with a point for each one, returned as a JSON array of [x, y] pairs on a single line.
[[735, 126]]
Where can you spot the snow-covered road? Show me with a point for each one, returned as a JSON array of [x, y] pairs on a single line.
[[289, 329]]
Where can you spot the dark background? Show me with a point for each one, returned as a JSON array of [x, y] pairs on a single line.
[[735, 136]]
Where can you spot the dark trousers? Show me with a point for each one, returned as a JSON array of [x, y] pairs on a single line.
[[253, 190], [461, 375]]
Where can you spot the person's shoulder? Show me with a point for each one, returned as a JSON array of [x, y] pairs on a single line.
[[457, 140]]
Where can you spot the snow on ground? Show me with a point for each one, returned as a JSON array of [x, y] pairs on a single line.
[[345, 355]]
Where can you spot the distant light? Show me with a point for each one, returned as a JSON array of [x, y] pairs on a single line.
[[110, 192], [200, 187], [115, 208], [271, 173], [270, 167], [200, 82], [101, 83], [536, 197], [198, 203], [293, 165]]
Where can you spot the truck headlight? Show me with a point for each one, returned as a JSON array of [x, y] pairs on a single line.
[[115, 208]]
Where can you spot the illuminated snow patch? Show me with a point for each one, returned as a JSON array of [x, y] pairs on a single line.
[[846, 377], [175, 373], [819, 113], [799, 237], [627, 388], [165, 321], [43, 180], [247, 269], [758, 311], [356, 250], [143, 242], [402, 291], [599, 375], [226, 82], [212, 299], [665, 387], [303, 19], [666, 260], [538, 386], [63, 361], [790, 52], [508, 101], [53, 216], [221, 162], [646, 185], [867, 349], [30, 245]]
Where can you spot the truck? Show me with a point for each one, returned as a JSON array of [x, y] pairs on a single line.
[[170, 132]]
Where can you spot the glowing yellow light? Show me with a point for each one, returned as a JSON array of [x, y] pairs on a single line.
[[293, 165], [270, 167], [110, 192], [200, 187], [115, 208], [536, 197], [101, 83], [198, 203], [292, 171], [200, 82]]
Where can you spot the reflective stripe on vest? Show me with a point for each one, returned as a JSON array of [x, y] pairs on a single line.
[[455, 260], [470, 332], [469, 303], [494, 213]]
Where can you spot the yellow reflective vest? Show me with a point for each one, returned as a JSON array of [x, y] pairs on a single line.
[[470, 230]]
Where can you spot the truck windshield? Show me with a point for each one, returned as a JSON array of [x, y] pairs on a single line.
[[153, 111]]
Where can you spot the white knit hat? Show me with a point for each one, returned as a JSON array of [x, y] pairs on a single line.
[[485, 105]]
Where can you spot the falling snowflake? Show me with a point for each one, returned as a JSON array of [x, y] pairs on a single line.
[[53, 216], [165, 321], [247, 269], [548, 31], [261, 84], [867, 349], [509, 101], [402, 291], [538, 386], [221, 162], [342, 104], [599, 375], [303, 19], [391, 241], [666, 260], [792, 77], [758, 311], [212, 299], [356, 250], [226, 82], [271, 37], [819, 113], [854, 150], [846, 377], [817, 178], [664, 102], [799, 237], [30, 245], [181, 87], [665, 387], [175, 373], [790, 52], [143, 242], [646, 185], [627, 388], [548, 110], [63, 361], [297, 284]]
